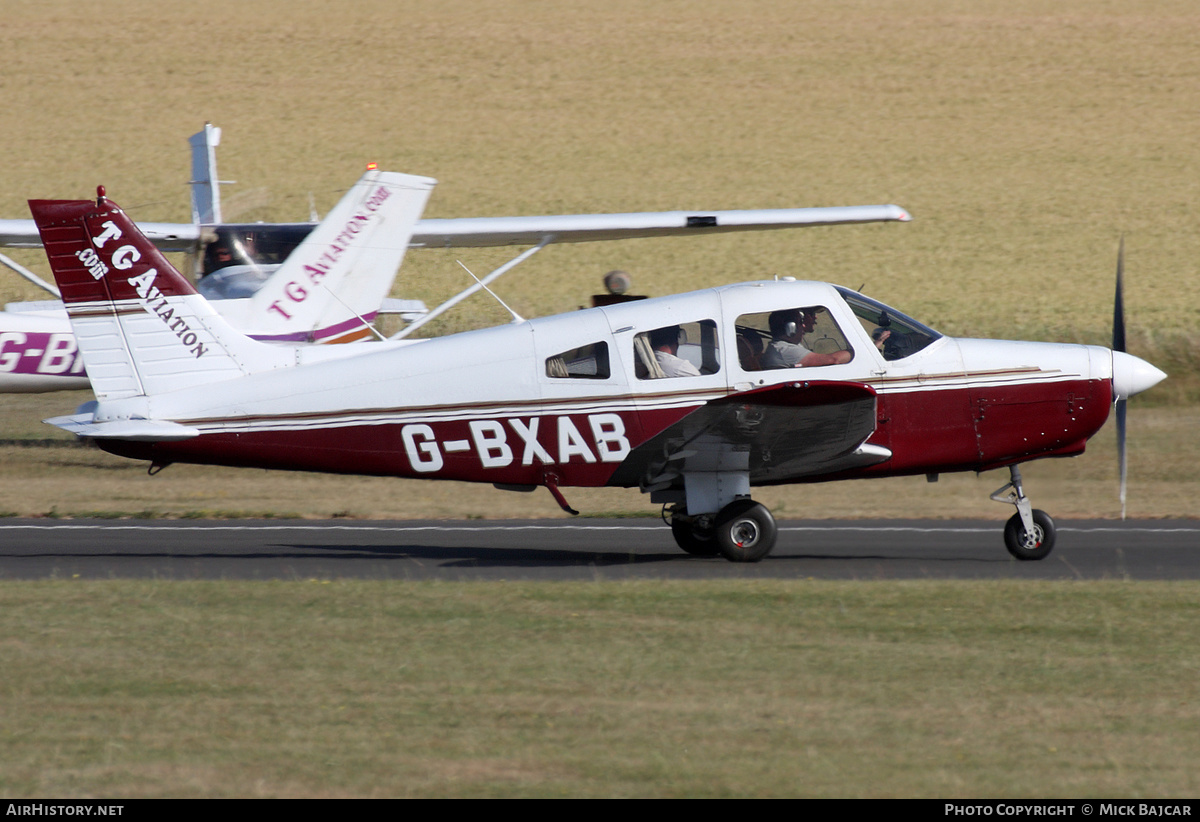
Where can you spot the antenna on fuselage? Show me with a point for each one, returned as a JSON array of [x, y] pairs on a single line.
[[517, 318]]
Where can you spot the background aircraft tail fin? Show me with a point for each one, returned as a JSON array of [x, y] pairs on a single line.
[[206, 188], [141, 327], [339, 276]]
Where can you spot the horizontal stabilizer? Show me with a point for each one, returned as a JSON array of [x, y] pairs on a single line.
[[82, 425]]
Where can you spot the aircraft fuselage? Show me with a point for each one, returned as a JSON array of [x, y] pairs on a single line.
[[568, 400]]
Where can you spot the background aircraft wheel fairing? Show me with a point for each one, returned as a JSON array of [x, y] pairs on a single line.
[[746, 531], [694, 536], [1027, 546]]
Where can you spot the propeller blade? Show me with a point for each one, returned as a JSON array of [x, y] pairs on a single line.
[[1122, 459], [1118, 344], [1119, 302]]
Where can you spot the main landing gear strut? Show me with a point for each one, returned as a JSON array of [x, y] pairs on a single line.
[[1029, 533], [742, 531]]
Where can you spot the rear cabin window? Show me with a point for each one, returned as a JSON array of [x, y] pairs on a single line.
[[684, 350], [588, 362], [802, 337]]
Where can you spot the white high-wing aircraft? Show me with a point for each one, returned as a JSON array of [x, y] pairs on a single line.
[[329, 288], [693, 398]]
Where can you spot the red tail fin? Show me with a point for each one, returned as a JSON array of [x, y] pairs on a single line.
[[141, 327], [99, 255]]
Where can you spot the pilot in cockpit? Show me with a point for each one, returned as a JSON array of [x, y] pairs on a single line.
[[787, 349]]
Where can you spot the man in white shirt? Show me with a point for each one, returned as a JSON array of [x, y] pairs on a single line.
[[665, 342]]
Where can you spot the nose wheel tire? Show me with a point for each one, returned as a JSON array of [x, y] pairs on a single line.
[[745, 531], [1030, 546]]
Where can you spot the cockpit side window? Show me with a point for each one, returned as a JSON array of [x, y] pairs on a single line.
[[805, 336], [588, 362], [895, 335], [251, 246], [684, 350]]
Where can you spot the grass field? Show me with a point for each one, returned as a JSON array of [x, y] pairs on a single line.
[[720, 689], [1025, 138]]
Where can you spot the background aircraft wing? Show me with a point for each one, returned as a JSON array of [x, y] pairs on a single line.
[[166, 236], [19, 234], [475, 232], [800, 429], [479, 232]]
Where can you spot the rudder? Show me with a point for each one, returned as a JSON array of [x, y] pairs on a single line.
[[141, 327]]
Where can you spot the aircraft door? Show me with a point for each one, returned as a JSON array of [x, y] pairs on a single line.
[[586, 424]]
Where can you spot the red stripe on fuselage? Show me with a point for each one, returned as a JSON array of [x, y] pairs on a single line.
[[580, 449], [965, 429]]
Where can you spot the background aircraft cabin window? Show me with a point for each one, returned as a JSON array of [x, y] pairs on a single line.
[[588, 362], [684, 350], [237, 261], [895, 334], [251, 245], [805, 336]]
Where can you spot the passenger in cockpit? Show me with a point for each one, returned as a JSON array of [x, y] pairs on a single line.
[[665, 342]]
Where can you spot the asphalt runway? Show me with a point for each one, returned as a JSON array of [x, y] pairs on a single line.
[[591, 549]]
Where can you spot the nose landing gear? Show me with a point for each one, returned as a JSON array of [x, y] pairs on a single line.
[[1029, 533]]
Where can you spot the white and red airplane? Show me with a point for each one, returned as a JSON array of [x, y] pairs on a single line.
[[693, 398]]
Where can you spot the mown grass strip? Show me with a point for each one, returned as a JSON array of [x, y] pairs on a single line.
[[751, 688]]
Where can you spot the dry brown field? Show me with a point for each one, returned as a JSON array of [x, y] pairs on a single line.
[[1024, 137]]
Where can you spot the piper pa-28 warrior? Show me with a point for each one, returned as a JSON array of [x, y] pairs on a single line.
[[693, 398]]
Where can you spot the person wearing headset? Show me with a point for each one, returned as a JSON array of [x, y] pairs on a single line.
[[787, 350]]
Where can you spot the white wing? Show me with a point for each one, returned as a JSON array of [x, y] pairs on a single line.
[[477, 232], [474, 232]]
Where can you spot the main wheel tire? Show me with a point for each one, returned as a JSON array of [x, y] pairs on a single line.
[[1025, 546], [692, 536], [745, 531]]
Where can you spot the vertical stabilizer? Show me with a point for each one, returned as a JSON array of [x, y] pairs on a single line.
[[141, 327], [206, 188], [339, 276]]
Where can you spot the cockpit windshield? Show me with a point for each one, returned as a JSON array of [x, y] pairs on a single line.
[[252, 245], [896, 335]]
